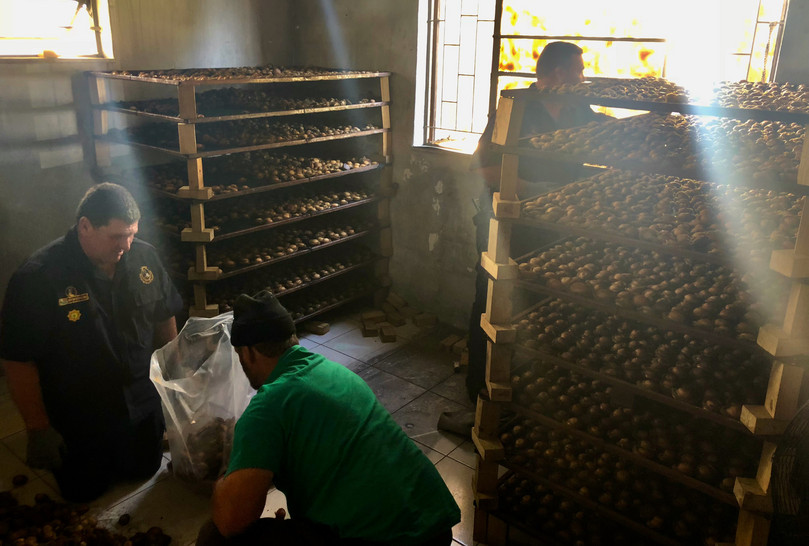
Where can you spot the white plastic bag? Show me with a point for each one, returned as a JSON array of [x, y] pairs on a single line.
[[203, 391]]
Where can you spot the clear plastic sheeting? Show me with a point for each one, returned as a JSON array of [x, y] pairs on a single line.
[[203, 392]]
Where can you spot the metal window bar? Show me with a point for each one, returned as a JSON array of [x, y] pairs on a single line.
[[779, 24]]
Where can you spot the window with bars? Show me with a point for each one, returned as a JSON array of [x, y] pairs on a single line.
[[473, 49]]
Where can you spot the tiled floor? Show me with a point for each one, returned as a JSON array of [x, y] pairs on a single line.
[[411, 377]]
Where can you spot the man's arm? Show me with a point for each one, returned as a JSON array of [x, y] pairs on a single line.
[[164, 332], [23, 384], [239, 498]]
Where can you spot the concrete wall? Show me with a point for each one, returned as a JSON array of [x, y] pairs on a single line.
[[433, 235], [43, 113]]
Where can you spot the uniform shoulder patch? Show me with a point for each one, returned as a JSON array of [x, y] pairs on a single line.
[[146, 276]]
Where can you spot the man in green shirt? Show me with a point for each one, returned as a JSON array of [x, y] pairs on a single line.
[[316, 431]]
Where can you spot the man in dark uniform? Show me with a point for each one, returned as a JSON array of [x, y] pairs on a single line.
[[560, 63], [79, 323]]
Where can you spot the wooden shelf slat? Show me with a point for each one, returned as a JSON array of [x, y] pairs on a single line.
[[727, 422], [201, 119], [239, 149], [297, 254], [708, 489], [239, 80], [644, 318]]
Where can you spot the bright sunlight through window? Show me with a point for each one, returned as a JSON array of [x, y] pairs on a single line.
[[67, 29], [696, 45]]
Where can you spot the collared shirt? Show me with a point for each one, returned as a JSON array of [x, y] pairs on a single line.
[[536, 120], [90, 337], [338, 455]]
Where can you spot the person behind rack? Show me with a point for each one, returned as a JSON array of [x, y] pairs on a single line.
[[80, 320], [316, 431], [560, 63]]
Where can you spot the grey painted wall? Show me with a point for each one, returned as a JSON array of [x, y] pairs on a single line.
[[42, 104], [793, 65], [433, 235], [42, 173]]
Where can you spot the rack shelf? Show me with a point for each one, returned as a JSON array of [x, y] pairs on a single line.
[[758, 114], [688, 481], [234, 113], [239, 149], [236, 117], [659, 145]]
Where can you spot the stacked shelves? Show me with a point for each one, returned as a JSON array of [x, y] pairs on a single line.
[[257, 166], [662, 351]]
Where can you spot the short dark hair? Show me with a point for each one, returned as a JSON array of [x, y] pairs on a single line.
[[555, 55], [106, 201], [273, 349]]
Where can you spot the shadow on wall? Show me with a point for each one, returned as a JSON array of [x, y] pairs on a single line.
[[44, 141]]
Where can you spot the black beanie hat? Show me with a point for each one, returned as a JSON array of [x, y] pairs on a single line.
[[260, 318]]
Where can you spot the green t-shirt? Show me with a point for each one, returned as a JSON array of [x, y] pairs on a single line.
[[338, 456]]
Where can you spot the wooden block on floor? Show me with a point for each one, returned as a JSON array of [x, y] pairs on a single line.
[[449, 341], [369, 329], [459, 346], [372, 316], [425, 320], [465, 358], [316, 327], [408, 312], [387, 308], [387, 334], [395, 318], [396, 300]]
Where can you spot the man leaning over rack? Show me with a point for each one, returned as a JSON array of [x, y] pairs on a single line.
[[80, 320], [560, 63]]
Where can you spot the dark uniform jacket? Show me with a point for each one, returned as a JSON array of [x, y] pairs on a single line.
[[91, 337]]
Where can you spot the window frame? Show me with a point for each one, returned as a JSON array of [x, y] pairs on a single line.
[[428, 79]]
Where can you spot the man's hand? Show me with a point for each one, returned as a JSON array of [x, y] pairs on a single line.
[[46, 448], [239, 498]]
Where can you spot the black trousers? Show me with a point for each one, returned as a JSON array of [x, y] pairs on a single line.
[[272, 531], [96, 459]]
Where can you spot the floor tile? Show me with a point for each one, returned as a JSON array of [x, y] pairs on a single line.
[[454, 388], [419, 419], [308, 343], [353, 344], [465, 454], [175, 507], [458, 478], [10, 419], [121, 492], [11, 466], [432, 454], [409, 331], [336, 356], [18, 443], [392, 392], [336, 329], [417, 364]]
